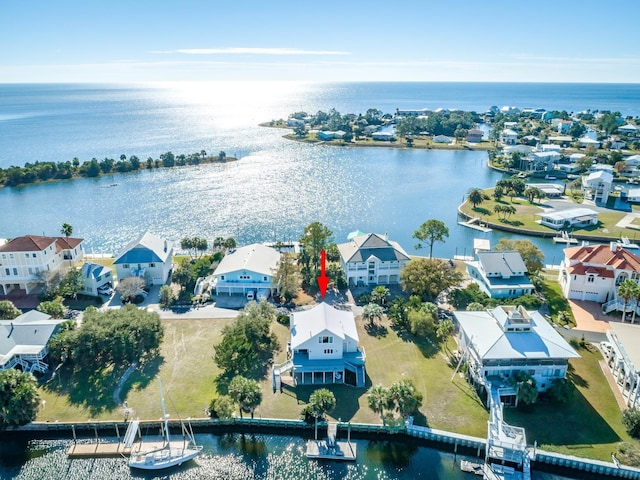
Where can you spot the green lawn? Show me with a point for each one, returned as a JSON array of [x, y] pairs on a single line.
[[525, 217], [588, 426], [556, 301]]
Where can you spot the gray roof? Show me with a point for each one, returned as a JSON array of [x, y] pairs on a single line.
[[491, 342], [255, 258], [503, 263], [148, 249], [360, 248], [27, 334]]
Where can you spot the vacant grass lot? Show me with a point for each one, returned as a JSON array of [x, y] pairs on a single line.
[[589, 426]]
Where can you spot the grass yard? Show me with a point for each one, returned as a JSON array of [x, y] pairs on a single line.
[[556, 301], [525, 217], [588, 426]]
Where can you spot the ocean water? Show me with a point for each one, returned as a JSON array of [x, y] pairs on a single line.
[[278, 186]]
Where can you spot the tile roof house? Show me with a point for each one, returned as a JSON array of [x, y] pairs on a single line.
[[324, 348], [23, 341], [497, 343], [150, 257], [249, 268], [594, 272], [500, 274], [27, 262], [372, 259]]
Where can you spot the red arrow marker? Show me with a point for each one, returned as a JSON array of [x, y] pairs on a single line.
[[323, 280]]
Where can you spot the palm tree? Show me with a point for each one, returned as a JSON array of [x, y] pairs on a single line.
[[627, 290], [322, 401], [635, 308], [372, 311], [475, 196], [377, 400], [246, 393], [66, 230]]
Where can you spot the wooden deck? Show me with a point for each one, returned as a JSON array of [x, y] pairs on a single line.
[[112, 449]]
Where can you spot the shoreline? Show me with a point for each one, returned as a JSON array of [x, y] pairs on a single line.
[[440, 440]]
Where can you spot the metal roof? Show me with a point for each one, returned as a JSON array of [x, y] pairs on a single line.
[[491, 342], [148, 249], [307, 324], [362, 247], [256, 258]]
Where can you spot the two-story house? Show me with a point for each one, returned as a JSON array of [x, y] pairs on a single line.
[[247, 269], [497, 343], [95, 276], [150, 257], [500, 274], [324, 348], [594, 272], [29, 261], [372, 259], [597, 186]]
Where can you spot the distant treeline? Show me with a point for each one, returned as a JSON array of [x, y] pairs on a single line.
[[47, 171]]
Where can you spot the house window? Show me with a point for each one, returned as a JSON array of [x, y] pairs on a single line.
[[222, 277], [328, 351], [11, 255], [4, 255], [26, 255], [590, 278], [264, 279], [152, 265], [15, 271], [7, 271], [33, 255], [30, 271], [126, 265], [325, 339]]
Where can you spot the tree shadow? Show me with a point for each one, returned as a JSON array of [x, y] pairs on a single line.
[[347, 403], [482, 211], [376, 330], [398, 454], [142, 376], [576, 379], [91, 390], [427, 347], [514, 223], [572, 423]]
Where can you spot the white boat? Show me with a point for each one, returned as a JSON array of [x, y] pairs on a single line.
[[564, 237], [169, 455], [626, 243]]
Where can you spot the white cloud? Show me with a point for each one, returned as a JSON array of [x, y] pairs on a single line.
[[251, 51]]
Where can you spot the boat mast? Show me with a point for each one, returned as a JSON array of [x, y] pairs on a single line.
[[164, 415]]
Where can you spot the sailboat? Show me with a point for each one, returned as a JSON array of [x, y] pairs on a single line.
[[167, 456]]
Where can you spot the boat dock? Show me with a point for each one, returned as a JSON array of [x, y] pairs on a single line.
[[564, 237], [113, 449], [475, 224], [331, 449]]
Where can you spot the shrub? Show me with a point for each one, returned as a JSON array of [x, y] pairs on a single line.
[[283, 319], [221, 407], [631, 421], [560, 390]]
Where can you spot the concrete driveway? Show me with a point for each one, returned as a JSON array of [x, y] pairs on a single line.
[[589, 316]]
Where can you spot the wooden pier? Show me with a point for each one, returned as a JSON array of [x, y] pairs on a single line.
[[331, 449], [113, 449]]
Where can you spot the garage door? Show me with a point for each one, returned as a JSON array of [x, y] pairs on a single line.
[[591, 296]]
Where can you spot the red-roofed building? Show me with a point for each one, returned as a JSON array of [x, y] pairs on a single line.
[[593, 273], [30, 260]]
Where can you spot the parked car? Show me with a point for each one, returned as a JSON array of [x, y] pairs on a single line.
[[105, 290]]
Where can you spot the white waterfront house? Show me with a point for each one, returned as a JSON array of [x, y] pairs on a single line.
[[23, 341], [249, 268], [150, 257], [622, 353], [372, 259], [570, 218], [597, 186], [28, 261], [95, 276], [594, 272], [497, 343], [324, 347], [500, 274], [508, 137]]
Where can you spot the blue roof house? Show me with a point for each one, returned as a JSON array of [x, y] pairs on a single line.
[[149, 257], [95, 276]]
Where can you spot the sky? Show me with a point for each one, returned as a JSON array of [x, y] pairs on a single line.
[[348, 40]]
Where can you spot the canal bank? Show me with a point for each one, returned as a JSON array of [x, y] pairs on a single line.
[[458, 444]]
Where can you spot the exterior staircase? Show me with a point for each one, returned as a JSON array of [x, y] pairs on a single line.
[[277, 371]]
